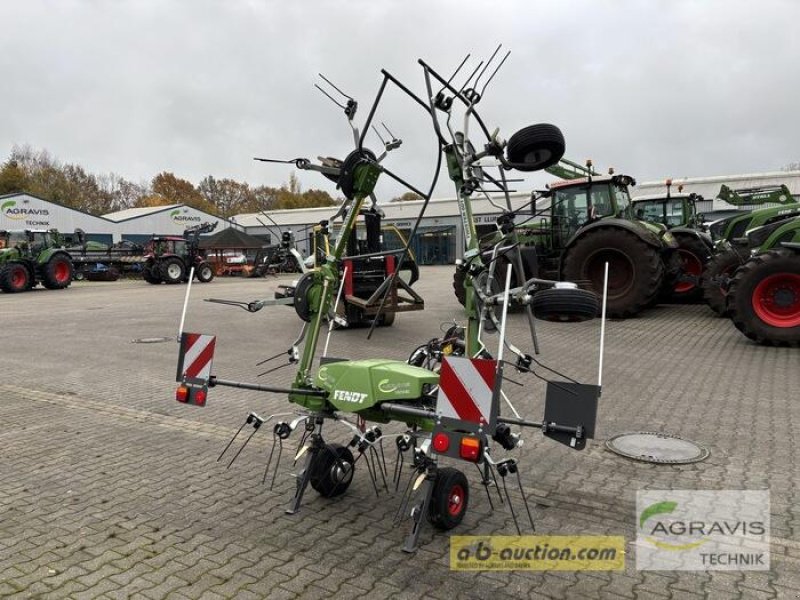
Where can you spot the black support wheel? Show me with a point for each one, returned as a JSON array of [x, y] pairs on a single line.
[[565, 305], [332, 470], [449, 499], [172, 270], [635, 269], [535, 147], [694, 255], [764, 298], [716, 279], [459, 277]]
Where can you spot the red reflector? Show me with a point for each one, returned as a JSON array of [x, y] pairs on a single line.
[[200, 397], [441, 442], [182, 394], [470, 448]]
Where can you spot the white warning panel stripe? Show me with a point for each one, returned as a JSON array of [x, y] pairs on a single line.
[[199, 353], [466, 388]]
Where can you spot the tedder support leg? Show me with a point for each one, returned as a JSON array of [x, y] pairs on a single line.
[[419, 512]]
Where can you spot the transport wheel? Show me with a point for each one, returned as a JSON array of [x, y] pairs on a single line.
[[694, 255], [716, 279], [204, 272], [565, 304], [172, 270], [449, 500], [332, 470], [635, 269], [764, 298], [535, 147], [58, 273], [15, 278], [387, 319], [458, 286]]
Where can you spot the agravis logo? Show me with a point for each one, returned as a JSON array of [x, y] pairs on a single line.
[[702, 529], [10, 210], [176, 216]]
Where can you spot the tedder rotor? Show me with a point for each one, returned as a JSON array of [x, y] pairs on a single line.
[[451, 411]]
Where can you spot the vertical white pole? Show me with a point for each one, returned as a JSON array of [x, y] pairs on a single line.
[[185, 303], [505, 314], [603, 327], [335, 306]]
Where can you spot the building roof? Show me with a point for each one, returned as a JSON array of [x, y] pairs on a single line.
[[132, 213], [708, 187], [231, 239]]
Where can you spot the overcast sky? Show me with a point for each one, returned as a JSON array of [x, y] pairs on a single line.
[[653, 88]]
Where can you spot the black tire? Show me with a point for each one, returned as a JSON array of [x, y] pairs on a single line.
[[565, 304], [459, 277], [58, 273], [172, 270], [449, 500], [499, 280], [694, 256], [15, 278], [716, 279], [331, 471], [204, 272], [636, 270], [387, 319], [150, 274], [535, 147], [764, 298]]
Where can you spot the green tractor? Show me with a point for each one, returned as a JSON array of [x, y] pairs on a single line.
[[763, 298], [578, 226], [678, 213], [30, 257], [731, 244]]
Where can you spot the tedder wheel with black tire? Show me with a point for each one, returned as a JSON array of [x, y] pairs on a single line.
[[635, 268], [565, 304], [204, 272], [332, 470], [764, 298], [172, 270], [694, 256], [58, 273], [535, 147], [501, 265], [150, 275], [458, 286], [449, 499], [716, 279], [14, 278]]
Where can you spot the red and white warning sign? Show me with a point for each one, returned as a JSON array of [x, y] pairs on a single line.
[[196, 356], [466, 389]]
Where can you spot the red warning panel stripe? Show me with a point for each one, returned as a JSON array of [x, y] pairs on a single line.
[[457, 395], [202, 361]]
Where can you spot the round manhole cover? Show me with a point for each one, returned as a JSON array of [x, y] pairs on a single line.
[[152, 340], [654, 447]]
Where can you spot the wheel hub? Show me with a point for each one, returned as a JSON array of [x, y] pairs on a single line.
[[776, 300], [455, 500]]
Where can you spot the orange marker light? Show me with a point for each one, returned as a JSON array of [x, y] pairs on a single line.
[[470, 448]]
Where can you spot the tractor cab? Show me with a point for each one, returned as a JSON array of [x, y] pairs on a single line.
[[163, 246], [675, 211]]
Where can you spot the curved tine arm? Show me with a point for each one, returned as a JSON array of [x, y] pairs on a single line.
[[457, 94]]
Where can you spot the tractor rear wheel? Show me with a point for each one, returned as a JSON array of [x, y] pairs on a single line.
[[449, 499], [694, 255], [15, 277], [58, 273], [172, 270], [204, 272], [635, 269], [565, 304], [764, 298], [332, 470], [717, 277]]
